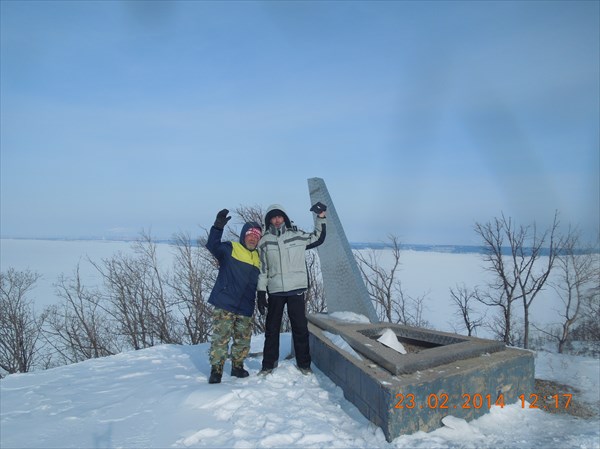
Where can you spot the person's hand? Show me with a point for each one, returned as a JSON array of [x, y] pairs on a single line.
[[222, 219], [318, 208], [261, 302]]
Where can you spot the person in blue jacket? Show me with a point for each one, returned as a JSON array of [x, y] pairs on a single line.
[[233, 295]]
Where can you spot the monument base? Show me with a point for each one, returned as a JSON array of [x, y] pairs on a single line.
[[403, 403]]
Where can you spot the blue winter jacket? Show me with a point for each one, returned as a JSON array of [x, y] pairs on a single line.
[[235, 288]]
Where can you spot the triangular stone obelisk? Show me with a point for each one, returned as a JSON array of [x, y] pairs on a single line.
[[345, 290]]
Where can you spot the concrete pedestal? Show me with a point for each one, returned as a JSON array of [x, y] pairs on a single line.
[[408, 402]]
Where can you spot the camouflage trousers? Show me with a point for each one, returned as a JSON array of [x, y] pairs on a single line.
[[225, 326]]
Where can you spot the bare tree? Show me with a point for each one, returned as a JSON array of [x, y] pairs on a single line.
[[79, 328], [164, 324], [194, 275], [410, 310], [254, 213], [502, 323], [381, 282], [138, 300], [315, 298], [579, 274], [20, 328], [522, 274], [385, 288], [463, 299], [587, 327], [502, 291], [129, 305]]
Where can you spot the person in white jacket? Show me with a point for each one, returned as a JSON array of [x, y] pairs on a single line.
[[283, 280]]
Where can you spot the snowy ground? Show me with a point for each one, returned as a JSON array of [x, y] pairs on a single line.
[[160, 398]]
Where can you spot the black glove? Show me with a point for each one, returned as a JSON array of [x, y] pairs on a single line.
[[222, 219], [318, 207], [261, 302]]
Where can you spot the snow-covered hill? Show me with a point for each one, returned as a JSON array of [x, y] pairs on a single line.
[[159, 398]]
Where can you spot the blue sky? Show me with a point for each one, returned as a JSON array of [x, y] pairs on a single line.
[[422, 117]]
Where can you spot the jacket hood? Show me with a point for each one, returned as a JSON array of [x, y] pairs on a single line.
[[276, 209], [248, 225]]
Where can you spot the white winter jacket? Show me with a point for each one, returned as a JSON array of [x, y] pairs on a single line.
[[282, 254]]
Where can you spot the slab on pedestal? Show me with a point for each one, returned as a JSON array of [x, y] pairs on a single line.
[[405, 402]]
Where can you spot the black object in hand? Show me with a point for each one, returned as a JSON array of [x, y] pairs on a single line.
[[261, 302], [222, 219], [318, 207]]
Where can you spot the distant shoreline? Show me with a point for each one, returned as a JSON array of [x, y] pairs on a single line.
[[460, 249], [420, 247]]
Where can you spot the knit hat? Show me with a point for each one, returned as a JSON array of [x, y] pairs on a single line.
[[256, 232], [249, 226]]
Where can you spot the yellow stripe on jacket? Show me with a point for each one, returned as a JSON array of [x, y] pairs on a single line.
[[241, 253]]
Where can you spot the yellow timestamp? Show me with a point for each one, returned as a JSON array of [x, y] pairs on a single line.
[[478, 401]]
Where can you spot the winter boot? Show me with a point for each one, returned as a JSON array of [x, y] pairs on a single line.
[[239, 371], [216, 372], [305, 370]]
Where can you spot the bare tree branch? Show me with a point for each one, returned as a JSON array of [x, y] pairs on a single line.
[[20, 328]]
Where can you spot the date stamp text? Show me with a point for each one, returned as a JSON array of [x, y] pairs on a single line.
[[478, 401]]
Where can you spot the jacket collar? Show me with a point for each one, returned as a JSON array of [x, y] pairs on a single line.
[[273, 230]]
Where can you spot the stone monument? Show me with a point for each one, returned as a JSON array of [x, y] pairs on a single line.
[[342, 281], [440, 375]]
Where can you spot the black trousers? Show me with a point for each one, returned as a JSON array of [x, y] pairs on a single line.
[[296, 312]]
